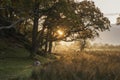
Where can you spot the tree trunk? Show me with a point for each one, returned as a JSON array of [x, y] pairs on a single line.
[[46, 44], [50, 41], [35, 29], [83, 45], [46, 47], [41, 38], [50, 46]]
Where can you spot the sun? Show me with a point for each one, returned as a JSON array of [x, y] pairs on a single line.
[[60, 32]]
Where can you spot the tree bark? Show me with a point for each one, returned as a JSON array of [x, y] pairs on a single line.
[[41, 38], [35, 29], [46, 44], [46, 47], [50, 47], [83, 45], [50, 41]]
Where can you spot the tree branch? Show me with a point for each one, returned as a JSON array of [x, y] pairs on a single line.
[[12, 25]]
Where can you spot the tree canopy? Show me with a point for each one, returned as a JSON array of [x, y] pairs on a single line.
[[53, 20]]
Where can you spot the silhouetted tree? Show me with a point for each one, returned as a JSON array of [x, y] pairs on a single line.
[[77, 20]]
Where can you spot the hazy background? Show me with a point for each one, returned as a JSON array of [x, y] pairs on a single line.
[[111, 37], [111, 9]]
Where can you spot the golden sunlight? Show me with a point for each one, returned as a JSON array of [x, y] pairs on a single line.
[[60, 32], [66, 43]]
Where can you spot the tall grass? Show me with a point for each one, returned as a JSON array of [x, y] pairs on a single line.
[[93, 65]]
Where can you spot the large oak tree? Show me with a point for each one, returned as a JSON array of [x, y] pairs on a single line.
[[77, 20]]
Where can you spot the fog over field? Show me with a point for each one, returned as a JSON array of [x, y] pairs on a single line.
[[111, 37]]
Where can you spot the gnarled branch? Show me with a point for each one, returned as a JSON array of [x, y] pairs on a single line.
[[12, 25]]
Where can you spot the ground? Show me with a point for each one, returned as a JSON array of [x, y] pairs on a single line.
[[15, 61], [66, 65], [92, 65]]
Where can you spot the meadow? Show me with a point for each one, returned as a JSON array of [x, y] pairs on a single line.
[[64, 65], [92, 65]]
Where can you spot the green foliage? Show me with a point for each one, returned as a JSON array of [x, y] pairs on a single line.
[[13, 60], [82, 19], [15, 63]]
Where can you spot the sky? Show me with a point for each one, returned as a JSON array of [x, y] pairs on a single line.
[[109, 37], [109, 7]]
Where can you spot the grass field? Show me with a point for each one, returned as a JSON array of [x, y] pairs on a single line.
[[15, 62], [92, 65], [69, 65]]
